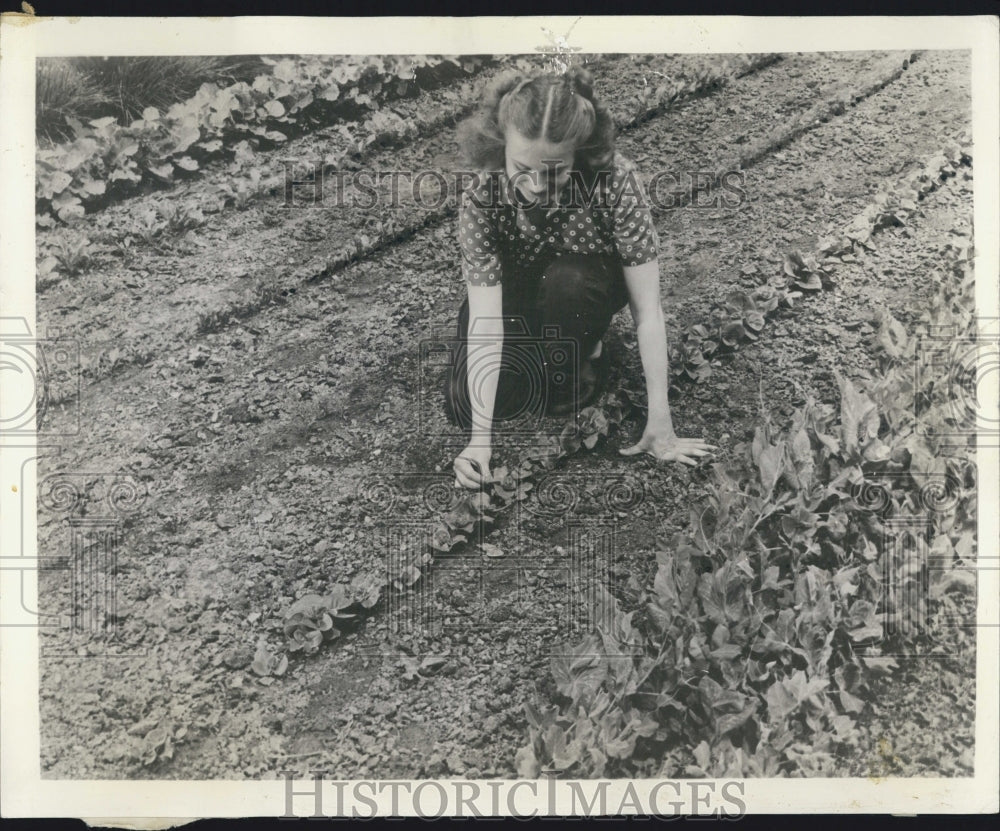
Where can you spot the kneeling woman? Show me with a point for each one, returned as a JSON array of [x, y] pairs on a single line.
[[555, 239]]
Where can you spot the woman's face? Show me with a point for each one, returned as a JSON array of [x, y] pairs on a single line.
[[538, 168]]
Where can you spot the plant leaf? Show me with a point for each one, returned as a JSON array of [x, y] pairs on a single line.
[[810, 282], [732, 333], [490, 550], [771, 465], [857, 414]]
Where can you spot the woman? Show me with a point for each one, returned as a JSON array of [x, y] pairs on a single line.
[[555, 240]]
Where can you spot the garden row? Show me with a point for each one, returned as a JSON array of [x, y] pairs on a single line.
[[253, 176], [122, 86], [810, 569], [740, 317], [106, 161]]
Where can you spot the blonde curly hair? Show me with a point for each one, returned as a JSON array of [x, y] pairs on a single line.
[[553, 107]]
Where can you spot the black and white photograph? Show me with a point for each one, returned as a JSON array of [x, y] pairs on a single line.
[[560, 413]]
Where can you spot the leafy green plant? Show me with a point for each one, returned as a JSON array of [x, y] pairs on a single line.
[[158, 745], [180, 217], [652, 99], [309, 622], [741, 317], [66, 255], [166, 140], [893, 206], [769, 618], [805, 274], [149, 225], [513, 484], [750, 615], [47, 272], [267, 664], [243, 190], [314, 618]]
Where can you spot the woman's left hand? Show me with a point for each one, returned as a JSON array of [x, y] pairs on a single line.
[[665, 446]]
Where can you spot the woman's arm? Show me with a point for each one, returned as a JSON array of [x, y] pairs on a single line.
[[485, 339], [658, 439], [643, 282], [485, 350]]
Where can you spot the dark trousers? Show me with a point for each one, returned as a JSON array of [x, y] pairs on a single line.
[[552, 323]]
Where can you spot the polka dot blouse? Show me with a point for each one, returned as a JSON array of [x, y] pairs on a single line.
[[499, 238]]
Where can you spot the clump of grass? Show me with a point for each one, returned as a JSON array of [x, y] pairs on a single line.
[[63, 90]]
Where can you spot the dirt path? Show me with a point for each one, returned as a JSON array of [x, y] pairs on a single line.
[[253, 442]]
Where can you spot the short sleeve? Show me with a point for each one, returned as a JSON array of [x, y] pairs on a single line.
[[479, 241], [636, 240]]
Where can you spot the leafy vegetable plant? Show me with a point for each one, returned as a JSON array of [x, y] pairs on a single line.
[[771, 616]]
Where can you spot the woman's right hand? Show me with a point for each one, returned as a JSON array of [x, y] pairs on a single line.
[[466, 473]]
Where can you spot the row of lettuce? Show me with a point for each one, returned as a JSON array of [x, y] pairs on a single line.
[[358, 98], [106, 160]]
